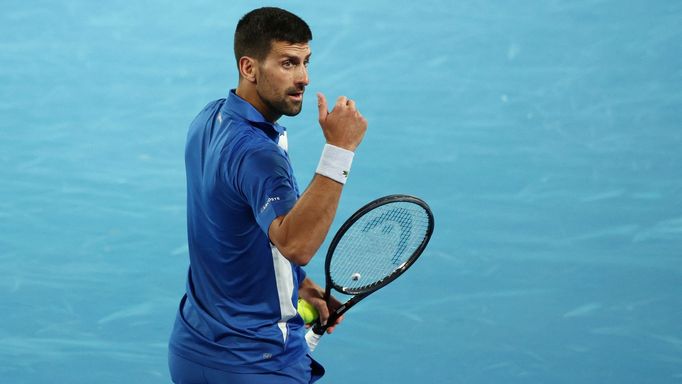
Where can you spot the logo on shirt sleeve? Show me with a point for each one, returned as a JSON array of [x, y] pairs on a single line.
[[267, 203]]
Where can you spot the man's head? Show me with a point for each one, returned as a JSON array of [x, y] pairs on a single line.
[[259, 28], [272, 52]]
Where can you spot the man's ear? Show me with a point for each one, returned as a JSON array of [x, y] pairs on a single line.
[[248, 68]]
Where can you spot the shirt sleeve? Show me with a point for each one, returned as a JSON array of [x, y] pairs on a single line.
[[266, 182]]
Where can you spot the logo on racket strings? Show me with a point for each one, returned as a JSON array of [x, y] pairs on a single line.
[[387, 222]]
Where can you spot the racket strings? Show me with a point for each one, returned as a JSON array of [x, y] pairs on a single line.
[[378, 244]]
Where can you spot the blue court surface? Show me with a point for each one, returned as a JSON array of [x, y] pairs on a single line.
[[546, 136]]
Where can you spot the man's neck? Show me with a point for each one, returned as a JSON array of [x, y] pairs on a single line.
[[248, 92]]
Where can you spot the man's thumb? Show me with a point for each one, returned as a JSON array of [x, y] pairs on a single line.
[[322, 106]]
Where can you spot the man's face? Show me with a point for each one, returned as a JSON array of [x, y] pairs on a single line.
[[282, 78]]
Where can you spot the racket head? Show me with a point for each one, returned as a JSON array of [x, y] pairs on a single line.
[[378, 243]]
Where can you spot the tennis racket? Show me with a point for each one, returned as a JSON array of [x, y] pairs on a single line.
[[372, 248]]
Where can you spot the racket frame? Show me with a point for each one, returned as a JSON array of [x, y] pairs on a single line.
[[363, 292]]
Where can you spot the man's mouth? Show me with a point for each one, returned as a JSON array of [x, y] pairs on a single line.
[[298, 95]]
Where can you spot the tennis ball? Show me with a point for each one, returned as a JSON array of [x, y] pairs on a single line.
[[307, 311]]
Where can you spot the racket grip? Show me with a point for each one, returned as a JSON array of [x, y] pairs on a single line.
[[312, 338]]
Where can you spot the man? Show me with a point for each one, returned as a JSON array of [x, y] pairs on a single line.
[[249, 228]]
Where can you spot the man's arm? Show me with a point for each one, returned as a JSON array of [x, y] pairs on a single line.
[[300, 233]]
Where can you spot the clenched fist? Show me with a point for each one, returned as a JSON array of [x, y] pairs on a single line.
[[344, 126]]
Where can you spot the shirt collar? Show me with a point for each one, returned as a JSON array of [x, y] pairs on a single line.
[[241, 108]]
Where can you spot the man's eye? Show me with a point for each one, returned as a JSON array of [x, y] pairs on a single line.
[[287, 64]]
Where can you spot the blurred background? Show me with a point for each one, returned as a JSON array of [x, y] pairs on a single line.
[[546, 136]]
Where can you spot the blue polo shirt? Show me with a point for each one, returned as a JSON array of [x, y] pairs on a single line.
[[239, 312]]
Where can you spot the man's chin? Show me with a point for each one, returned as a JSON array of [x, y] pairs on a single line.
[[286, 107], [293, 111]]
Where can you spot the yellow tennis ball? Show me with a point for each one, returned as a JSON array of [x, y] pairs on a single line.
[[307, 311]]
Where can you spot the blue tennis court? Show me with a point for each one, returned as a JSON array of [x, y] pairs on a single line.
[[546, 136]]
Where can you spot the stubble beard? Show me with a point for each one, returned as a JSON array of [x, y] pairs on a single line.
[[279, 102], [283, 105]]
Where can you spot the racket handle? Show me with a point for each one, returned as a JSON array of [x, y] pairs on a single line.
[[312, 338]]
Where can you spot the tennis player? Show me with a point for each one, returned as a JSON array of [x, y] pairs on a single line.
[[249, 228]]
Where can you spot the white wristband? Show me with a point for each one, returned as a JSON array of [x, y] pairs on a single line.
[[335, 163]]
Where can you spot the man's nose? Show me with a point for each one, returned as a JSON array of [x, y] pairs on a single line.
[[302, 77]]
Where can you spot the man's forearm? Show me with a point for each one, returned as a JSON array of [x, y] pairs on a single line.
[[310, 291], [300, 233]]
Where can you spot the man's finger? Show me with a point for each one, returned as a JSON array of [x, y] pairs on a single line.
[[341, 101], [322, 106], [338, 321], [322, 310]]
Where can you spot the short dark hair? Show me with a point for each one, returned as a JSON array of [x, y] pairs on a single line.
[[259, 28]]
